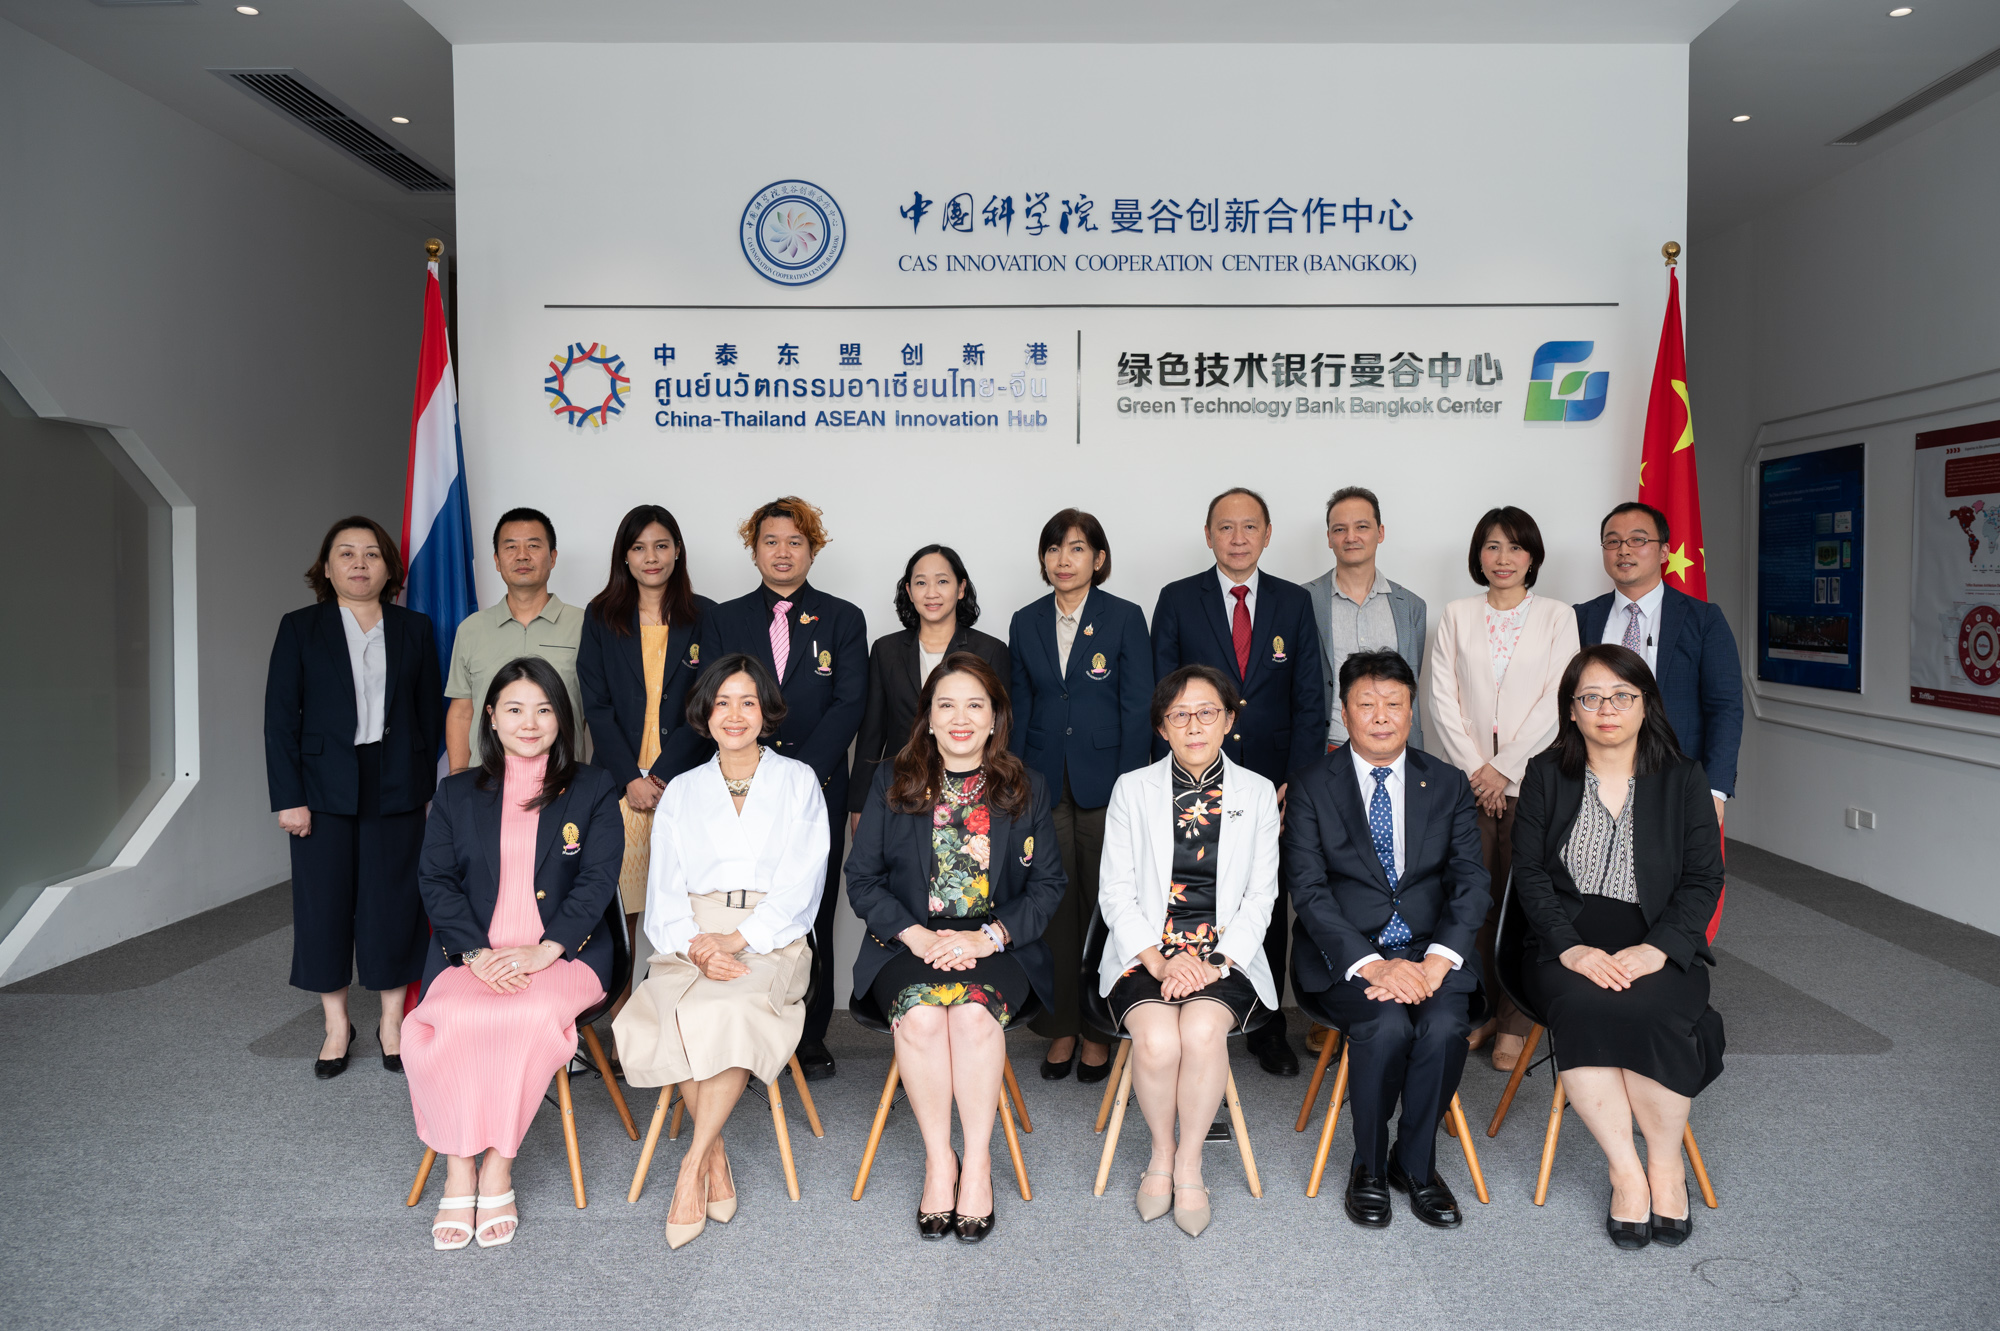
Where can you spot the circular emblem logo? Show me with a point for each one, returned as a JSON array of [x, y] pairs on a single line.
[[793, 232], [1979, 644], [587, 384]]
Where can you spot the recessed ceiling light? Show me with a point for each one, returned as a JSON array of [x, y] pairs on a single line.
[[401, 120], [1739, 119], [1903, 12], [246, 9]]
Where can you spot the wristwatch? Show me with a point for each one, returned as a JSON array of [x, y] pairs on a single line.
[[1220, 962], [467, 958]]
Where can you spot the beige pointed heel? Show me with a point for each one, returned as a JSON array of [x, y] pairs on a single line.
[[1192, 1219], [679, 1236], [722, 1212], [1152, 1207]]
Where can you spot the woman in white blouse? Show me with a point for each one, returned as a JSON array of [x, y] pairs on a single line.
[[739, 859], [1496, 668]]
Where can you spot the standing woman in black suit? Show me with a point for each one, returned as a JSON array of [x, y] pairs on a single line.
[[938, 607], [637, 658], [1082, 699], [1617, 864], [353, 716]]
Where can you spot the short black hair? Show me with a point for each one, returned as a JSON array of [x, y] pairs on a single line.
[[1634, 506], [1237, 490], [1057, 529], [701, 698], [1516, 526], [524, 515], [1347, 492], [1383, 664], [968, 604], [1170, 688]]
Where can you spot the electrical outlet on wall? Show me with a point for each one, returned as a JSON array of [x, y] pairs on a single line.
[[1862, 820]]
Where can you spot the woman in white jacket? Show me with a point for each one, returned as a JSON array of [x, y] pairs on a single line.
[[1186, 886]]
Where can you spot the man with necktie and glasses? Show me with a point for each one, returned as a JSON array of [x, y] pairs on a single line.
[[1381, 853]]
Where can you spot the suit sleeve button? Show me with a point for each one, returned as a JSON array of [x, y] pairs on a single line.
[[540, 895], [1068, 731]]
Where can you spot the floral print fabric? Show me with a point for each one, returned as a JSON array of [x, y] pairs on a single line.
[[1503, 634], [948, 993], [1190, 925], [960, 850]]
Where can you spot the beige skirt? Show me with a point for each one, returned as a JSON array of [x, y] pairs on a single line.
[[638, 858], [680, 1025]]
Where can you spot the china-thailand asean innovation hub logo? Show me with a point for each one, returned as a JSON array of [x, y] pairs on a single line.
[[1549, 402], [793, 232], [573, 387]]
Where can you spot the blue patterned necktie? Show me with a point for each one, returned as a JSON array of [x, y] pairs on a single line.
[[1382, 829]]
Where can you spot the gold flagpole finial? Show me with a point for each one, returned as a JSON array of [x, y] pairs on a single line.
[[435, 248], [1672, 251]]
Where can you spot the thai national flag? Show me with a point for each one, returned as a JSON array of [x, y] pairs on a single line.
[[437, 519]]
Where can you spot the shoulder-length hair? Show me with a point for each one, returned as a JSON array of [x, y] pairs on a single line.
[[1516, 526], [701, 698], [618, 604], [562, 754], [968, 605], [322, 586], [1659, 747], [1056, 531], [919, 769]]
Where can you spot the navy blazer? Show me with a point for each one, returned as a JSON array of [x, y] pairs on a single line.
[[1700, 678], [309, 714], [1094, 718], [611, 671], [1282, 726], [459, 873], [894, 690], [889, 880], [1338, 885], [825, 685]]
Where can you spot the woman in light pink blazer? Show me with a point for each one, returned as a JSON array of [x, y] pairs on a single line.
[[1496, 667]]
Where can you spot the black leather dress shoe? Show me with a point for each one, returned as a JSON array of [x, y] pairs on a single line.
[[1430, 1202], [1056, 1071], [326, 1069], [934, 1225], [1672, 1233], [1631, 1235], [1092, 1072], [1367, 1199], [975, 1228], [393, 1062], [1275, 1056], [814, 1061]]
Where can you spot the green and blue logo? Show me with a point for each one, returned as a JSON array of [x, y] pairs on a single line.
[[1548, 402]]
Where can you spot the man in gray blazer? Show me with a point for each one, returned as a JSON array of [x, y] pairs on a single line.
[[1358, 609]]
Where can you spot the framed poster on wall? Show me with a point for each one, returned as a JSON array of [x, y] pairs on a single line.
[[1810, 551], [1955, 570]]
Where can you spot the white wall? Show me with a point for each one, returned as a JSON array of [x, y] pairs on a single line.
[[1862, 305], [260, 337]]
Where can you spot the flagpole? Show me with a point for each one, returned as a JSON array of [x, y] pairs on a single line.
[[1671, 250]]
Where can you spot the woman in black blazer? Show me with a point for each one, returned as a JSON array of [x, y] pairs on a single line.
[[520, 866], [938, 607], [1618, 866], [634, 666], [353, 716], [955, 873]]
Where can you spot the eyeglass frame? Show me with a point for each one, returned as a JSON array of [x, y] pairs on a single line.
[[1635, 543], [1188, 714], [1611, 698]]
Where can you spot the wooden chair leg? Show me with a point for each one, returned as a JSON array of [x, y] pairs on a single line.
[[875, 1131], [784, 1140], [680, 1108], [1124, 1094], [1111, 1083], [652, 1141], [569, 1134], [1326, 1051], [1549, 1144], [1700, 1169], [610, 1082], [1455, 1115], [1514, 1082], [1332, 1118], [1014, 1090], [423, 1177], [1242, 1132], [1014, 1149], [806, 1097]]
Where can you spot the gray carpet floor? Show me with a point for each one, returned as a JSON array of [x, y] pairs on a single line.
[[168, 1160]]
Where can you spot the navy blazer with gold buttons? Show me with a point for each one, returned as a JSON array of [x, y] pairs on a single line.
[[459, 875], [1093, 718], [611, 671]]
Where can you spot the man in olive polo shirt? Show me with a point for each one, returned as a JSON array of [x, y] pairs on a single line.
[[529, 622]]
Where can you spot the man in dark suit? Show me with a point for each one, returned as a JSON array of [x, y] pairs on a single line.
[[1381, 851], [1260, 630], [1685, 640], [817, 648]]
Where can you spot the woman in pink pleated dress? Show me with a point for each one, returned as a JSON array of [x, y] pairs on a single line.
[[520, 865]]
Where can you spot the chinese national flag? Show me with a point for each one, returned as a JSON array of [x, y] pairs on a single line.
[[1667, 478]]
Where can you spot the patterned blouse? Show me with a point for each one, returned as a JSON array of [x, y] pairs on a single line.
[[1503, 634], [960, 853], [1191, 925], [1599, 853]]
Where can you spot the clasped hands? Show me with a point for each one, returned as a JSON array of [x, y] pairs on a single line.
[[643, 793], [714, 955], [505, 970], [1614, 970], [1393, 980], [1489, 789], [949, 949], [1181, 974]]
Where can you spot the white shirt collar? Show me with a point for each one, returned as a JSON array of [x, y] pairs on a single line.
[[1649, 604], [1364, 770], [1078, 616], [1250, 582]]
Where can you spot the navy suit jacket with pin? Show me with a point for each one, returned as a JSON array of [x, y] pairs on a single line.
[[1282, 726], [1091, 719], [1342, 893], [825, 684], [611, 671], [1701, 680], [459, 872], [310, 719]]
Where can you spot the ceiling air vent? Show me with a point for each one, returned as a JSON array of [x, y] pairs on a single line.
[[287, 91], [1920, 99]]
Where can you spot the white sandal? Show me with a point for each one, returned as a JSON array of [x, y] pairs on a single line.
[[485, 1203], [453, 1204]]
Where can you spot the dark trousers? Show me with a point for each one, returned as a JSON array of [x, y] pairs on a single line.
[[820, 1010], [354, 893], [1412, 1052], [1496, 845], [1080, 839]]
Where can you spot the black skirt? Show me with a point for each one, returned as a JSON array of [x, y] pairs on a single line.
[[997, 982], [1662, 1027], [1234, 991]]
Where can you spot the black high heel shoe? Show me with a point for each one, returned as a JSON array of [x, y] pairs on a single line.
[[390, 1062], [1053, 1070], [1090, 1073], [1630, 1235], [934, 1225], [1672, 1233], [328, 1068], [975, 1228]]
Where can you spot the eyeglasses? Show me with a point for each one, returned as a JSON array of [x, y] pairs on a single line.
[[1620, 701], [1180, 716], [1637, 543]]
